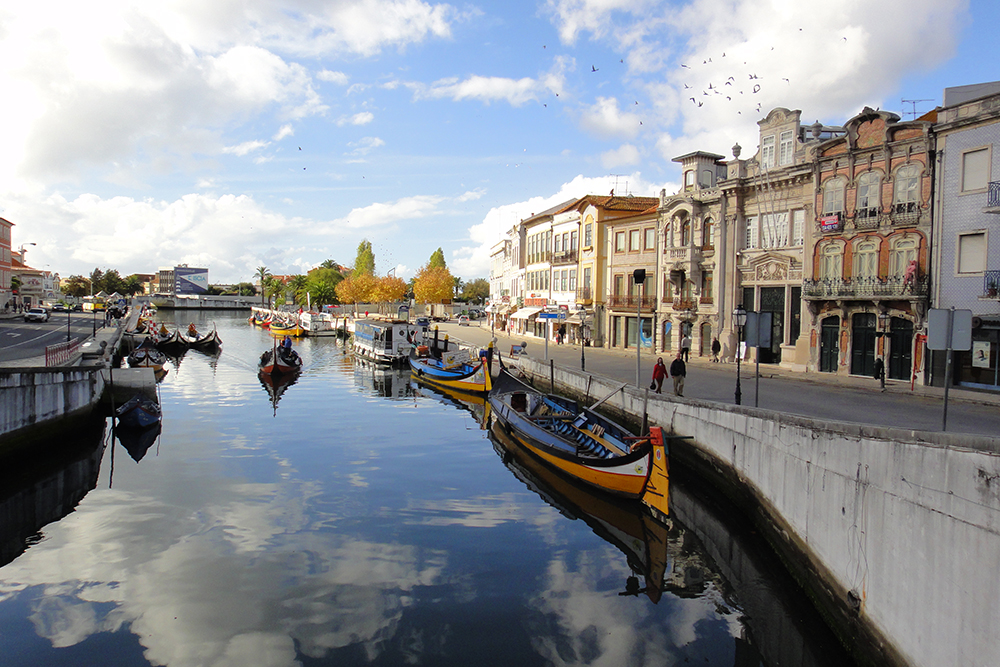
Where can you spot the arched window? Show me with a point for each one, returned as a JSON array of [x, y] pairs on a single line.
[[868, 195], [688, 179], [707, 232], [866, 260], [831, 262], [905, 193], [833, 196], [902, 252]]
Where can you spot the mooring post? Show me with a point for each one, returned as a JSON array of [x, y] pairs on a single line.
[[552, 376]]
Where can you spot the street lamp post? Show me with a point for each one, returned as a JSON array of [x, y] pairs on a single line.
[[883, 319], [740, 320], [638, 278], [584, 335]]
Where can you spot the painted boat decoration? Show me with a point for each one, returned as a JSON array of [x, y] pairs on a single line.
[[384, 341], [282, 329], [147, 356], [580, 443], [455, 370], [639, 535], [138, 412]]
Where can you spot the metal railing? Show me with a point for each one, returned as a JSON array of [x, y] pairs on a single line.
[[584, 294], [866, 288], [993, 197], [567, 257], [685, 304], [626, 302], [991, 283]]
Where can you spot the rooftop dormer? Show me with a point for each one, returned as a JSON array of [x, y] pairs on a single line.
[[700, 170]]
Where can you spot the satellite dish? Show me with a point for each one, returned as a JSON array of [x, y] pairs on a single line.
[[977, 322]]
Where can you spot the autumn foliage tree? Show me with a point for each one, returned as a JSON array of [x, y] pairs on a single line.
[[433, 284], [388, 289]]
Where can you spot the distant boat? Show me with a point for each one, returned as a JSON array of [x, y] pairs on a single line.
[[578, 442], [210, 342], [138, 412], [168, 341], [455, 370], [281, 329]]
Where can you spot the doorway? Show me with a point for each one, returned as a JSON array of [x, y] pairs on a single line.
[[863, 344], [705, 344], [829, 345], [900, 348]]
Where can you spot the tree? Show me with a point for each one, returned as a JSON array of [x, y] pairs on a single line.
[[476, 291], [262, 275], [364, 263], [133, 285], [437, 260], [297, 284], [275, 287], [356, 289], [389, 289], [433, 285], [213, 289], [329, 264], [321, 284], [111, 282], [245, 289], [96, 276], [458, 285], [75, 286]]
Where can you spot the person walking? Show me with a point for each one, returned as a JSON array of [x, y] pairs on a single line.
[[716, 348], [686, 347], [678, 370], [659, 374]]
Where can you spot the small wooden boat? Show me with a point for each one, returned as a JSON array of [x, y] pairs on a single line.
[[168, 341], [138, 412], [640, 535], [279, 361], [137, 441], [281, 329], [210, 342], [579, 442], [147, 356], [455, 370]]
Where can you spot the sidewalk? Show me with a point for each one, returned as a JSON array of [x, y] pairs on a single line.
[[818, 395]]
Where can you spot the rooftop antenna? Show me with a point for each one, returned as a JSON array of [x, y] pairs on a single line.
[[615, 189], [913, 107]]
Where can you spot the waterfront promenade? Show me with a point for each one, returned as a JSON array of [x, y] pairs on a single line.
[[817, 395]]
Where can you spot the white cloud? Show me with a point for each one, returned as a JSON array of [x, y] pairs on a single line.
[[245, 147], [487, 89], [381, 214], [338, 78], [605, 120], [625, 156], [362, 118], [365, 145], [283, 131], [472, 195]]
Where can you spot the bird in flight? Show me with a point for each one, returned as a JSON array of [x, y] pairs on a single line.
[[593, 69]]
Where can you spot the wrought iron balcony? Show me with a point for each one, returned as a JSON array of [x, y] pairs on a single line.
[[685, 304], [906, 213], [631, 302], [566, 257], [866, 218], [865, 288], [584, 295], [991, 284], [993, 197]]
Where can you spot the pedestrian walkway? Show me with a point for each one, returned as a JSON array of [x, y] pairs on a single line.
[[817, 395]]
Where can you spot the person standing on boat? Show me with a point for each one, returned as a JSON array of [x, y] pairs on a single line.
[[678, 370], [659, 374], [287, 343]]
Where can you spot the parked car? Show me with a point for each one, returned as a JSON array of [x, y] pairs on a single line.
[[36, 315], [59, 308], [463, 320], [424, 322], [76, 308]]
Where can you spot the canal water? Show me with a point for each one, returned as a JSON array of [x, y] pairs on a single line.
[[360, 519]]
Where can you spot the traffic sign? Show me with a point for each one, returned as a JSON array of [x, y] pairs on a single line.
[[548, 316]]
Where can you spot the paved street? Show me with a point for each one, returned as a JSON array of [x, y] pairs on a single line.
[[810, 394], [20, 340]]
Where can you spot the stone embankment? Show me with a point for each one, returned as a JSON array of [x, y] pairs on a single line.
[[895, 534]]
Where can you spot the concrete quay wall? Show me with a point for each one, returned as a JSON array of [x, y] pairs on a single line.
[[895, 534], [33, 396]]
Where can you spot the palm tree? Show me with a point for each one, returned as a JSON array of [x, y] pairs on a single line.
[[262, 275], [297, 284]]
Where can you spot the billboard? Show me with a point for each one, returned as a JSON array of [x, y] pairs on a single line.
[[188, 280]]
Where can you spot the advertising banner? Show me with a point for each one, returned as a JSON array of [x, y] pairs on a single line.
[[188, 280]]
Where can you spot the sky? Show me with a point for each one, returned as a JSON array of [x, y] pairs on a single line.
[[234, 134]]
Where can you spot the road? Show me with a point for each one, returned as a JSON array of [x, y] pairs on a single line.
[[20, 339], [816, 395]]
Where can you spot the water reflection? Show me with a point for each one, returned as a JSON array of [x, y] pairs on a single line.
[[349, 529], [275, 386], [44, 484]]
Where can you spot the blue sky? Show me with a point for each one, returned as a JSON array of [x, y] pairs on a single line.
[[237, 133]]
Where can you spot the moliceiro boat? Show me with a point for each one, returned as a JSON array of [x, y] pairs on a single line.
[[454, 369], [580, 443], [279, 361]]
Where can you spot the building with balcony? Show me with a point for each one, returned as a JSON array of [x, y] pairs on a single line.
[[866, 285], [631, 306], [966, 242], [536, 284], [5, 263]]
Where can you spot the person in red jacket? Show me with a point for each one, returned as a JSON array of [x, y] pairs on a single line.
[[659, 374]]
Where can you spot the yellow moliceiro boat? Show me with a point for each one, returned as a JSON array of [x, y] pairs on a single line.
[[582, 444], [455, 370]]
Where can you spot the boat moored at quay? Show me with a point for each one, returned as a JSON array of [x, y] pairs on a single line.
[[384, 341]]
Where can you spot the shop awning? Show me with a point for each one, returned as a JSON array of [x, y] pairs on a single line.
[[525, 313], [575, 318]]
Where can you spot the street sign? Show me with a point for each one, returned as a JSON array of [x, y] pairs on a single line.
[[549, 316], [938, 335], [757, 332]]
